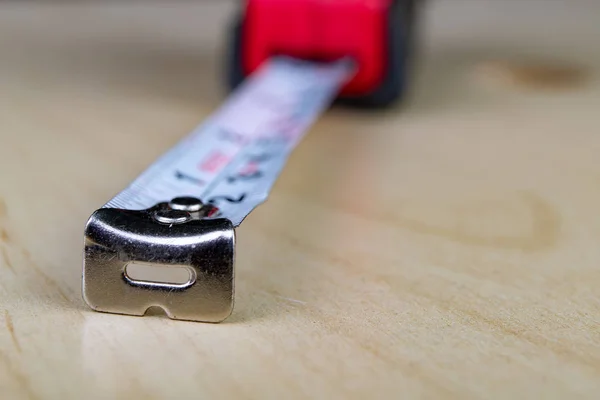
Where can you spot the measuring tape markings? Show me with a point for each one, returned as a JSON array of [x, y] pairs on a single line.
[[234, 158]]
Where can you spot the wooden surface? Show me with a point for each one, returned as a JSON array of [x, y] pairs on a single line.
[[450, 249]]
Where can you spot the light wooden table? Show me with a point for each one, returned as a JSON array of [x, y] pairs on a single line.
[[449, 249]]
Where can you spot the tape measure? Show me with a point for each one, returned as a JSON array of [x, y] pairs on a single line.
[[181, 212]]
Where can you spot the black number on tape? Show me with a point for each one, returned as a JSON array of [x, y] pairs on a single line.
[[244, 177], [227, 199], [184, 177]]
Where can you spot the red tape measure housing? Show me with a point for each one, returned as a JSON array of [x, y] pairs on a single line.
[[374, 33], [320, 30]]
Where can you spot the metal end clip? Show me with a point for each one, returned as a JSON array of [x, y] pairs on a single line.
[[181, 234]]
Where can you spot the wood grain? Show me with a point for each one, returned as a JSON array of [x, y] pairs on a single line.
[[445, 249]]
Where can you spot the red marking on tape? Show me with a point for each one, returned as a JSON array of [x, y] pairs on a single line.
[[214, 162], [249, 169]]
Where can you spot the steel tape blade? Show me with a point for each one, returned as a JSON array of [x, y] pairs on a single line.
[[233, 159]]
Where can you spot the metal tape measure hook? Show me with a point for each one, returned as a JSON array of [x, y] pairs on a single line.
[[178, 234]]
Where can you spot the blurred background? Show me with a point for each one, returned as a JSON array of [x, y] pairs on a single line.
[[174, 49]]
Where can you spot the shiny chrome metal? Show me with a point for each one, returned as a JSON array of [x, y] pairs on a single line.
[[115, 238], [172, 216], [186, 203]]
